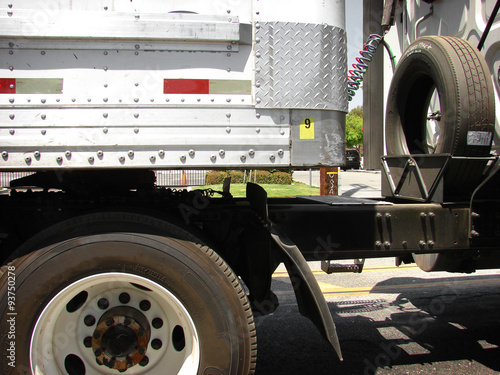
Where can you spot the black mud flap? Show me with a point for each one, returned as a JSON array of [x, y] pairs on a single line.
[[310, 299]]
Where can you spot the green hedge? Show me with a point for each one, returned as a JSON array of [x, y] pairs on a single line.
[[281, 178], [263, 177], [215, 177], [236, 177]]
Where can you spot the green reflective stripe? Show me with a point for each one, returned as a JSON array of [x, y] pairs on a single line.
[[39, 85], [228, 86]]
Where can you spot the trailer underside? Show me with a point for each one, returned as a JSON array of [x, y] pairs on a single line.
[[93, 212], [322, 227]]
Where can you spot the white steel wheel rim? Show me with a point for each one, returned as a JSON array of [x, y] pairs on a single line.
[[433, 124], [59, 343]]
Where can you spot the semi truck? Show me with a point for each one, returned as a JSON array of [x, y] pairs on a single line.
[[104, 272]]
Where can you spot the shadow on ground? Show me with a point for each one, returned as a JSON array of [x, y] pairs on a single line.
[[449, 330]]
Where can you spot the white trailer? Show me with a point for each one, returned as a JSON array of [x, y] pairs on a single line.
[[159, 84]]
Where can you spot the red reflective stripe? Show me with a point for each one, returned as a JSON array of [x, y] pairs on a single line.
[[7, 85], [186, 86]]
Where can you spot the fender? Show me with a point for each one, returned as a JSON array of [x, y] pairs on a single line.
[[310, 299]]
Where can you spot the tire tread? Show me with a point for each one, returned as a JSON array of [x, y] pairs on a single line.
[[245, 304]]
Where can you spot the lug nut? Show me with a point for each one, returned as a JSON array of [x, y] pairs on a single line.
[[144, 361], [105, 362], [109, 363], [110, 322], [145, 305], [124, 298], [103, 303], [156, 344], [89, 320], [157, 323], [87, 342]]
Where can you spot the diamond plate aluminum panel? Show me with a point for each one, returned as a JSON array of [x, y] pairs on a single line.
[[300, 66]]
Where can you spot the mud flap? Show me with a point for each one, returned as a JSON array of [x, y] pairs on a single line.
[[310, 299]]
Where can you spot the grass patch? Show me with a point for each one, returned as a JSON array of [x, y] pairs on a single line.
[[273, 190]]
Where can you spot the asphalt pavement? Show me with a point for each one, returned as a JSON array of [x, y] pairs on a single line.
[[389, 320]]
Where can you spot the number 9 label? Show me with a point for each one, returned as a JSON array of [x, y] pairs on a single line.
[[307, 128]]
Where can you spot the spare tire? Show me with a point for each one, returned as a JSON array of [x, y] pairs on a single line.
[[456, 70], [444, 80]]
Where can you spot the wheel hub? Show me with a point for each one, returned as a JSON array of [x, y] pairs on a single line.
[[120, 339], [122, 322]]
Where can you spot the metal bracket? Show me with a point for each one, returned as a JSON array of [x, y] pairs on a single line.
[[406, 178], [329, 267], [429, 177]]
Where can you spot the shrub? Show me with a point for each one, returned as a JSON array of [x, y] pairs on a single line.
[[286, 170], [281, 178], [236, 177], [215, 177], [263, 177]]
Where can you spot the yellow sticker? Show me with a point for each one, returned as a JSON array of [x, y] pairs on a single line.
[[307, 128]]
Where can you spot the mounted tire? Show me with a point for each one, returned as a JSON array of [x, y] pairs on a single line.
[[455, 71], [445, 82], [115, 302]]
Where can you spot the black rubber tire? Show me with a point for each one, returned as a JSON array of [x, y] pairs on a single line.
[[195, 274], [455, 262], [105, 222], [459, 73], [461, 76]]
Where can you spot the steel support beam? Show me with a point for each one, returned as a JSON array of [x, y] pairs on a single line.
[[373, 89]]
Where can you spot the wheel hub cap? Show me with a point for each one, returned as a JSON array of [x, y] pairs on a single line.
[[121, 338]]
